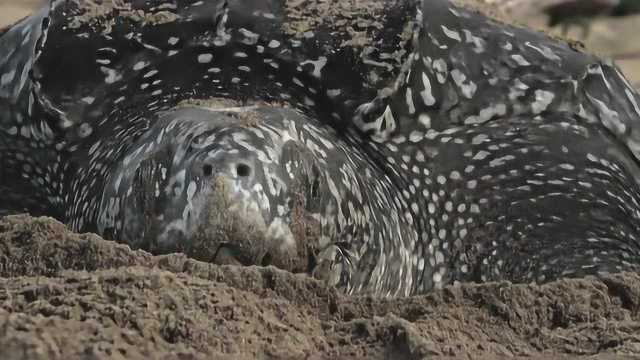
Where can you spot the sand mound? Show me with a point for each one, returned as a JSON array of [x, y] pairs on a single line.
[[70, 296]]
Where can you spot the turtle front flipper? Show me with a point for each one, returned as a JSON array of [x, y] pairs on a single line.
[[28, 167], [467, 69], [19, 46]]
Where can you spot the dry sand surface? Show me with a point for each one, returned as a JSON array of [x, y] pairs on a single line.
[[13, 10], [609, 37], [70, 296]]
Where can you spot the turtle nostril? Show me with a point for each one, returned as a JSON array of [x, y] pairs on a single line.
[[207, 170], [243, 170]]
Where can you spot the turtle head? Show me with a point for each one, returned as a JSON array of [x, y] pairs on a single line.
[[222, 184]]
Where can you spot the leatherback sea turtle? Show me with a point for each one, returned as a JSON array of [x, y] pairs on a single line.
[[387, 147]]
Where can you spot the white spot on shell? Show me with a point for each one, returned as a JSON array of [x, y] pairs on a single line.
[[543, 100], [150, 74], [140, 65], [7, 77], [317, 65], [88, 100], [468, 89], [205, 58], [451, 33], [427, 95], [520, 60], [273, 44], [409, 100], [425, 120], [333, 92]]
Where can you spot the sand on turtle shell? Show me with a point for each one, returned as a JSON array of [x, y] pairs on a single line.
[[101, 15], [72, 296]]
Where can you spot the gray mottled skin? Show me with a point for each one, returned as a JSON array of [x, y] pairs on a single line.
[[390, 148]]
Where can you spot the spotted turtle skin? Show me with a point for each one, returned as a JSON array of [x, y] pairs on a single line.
[[386, 148]]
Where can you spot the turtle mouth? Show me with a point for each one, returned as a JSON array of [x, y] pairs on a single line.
[[222, 223], [231, 254]]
